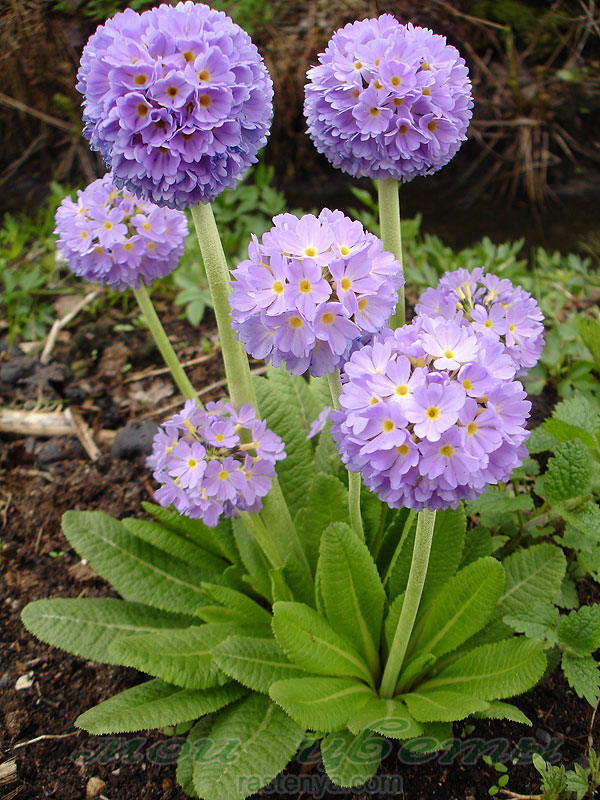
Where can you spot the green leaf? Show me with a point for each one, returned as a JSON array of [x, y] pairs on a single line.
[[446, 551], [321, 704], [371, 511], [569, 472], [327, 502], [462, 607], [135, 569], [541, 441], [579, 632], [578, 410], [185, 762], [499, 710], [218, 540], [237, 601], [254, 559], [535, 621], [493, 671], [283, 400], [352, 760], [352, 591], [578, 778], [478, 543], [583, 676], [182, 657], [564, 431], [257, 740], [327, 458], [87, 626], [290, 582], [567, 596], [311, 643], [174, 544], [494, 505], [255, 663], [583, 527], [155, 704], [391, 718], [442, 705], [589, 330]]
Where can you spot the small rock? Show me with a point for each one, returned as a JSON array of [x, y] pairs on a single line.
[[17, 369], [25, 681], [93, 787], [58, 449], [134, 440]]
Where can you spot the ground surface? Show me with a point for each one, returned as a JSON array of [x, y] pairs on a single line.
[[44, 690]]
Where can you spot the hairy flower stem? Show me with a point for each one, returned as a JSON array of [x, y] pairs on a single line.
[[237, 369], [412, 598], [163, 344], [391, 236], [275, 512], [354, 481]]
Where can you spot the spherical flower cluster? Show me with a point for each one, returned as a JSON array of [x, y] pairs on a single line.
[[177, 100], [493, 308], [110, 237], [430, 414], [214, 461], [311, 289], [388, 100]]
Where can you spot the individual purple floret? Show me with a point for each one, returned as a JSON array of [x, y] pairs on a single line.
[[427, 431], [177, 100], [388, 100], [215, 461], [111, 237], [310, 289], [493, 308]]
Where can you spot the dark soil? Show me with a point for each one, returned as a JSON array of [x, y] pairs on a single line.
[[44, 690]]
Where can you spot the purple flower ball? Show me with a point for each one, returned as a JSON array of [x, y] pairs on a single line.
[[204, 465], [177, 100], [111, 237], [388, 100], [311, 289], [492, 307], [430, 414]]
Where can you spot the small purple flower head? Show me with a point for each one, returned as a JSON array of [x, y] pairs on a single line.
[[388, 100], [177, 100], [494, 309], [205, 468], [425, 427], [111, 237], [311, 289]]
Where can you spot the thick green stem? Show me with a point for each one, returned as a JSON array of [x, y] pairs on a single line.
[[237, 369], [260, 532], [163, 343], [412, 598], [275, 513], [354, 481], [391, 236]]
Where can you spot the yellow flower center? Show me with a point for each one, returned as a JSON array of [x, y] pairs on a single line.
[[512, 328], [447, 450], [188, 55], [355, 93], [374, 111], [108, 225], [425, 66], [388, 426], [223, 475], [146, 226], [448, 354], [471, 428], [219, 437], [305, 286], [433, 412], [432, 125], [310, 252], [403, 128], [327, 318], [378, 85], [151, 246], [402, 390], [204, 100], [296, 322], [396, 81], [203, 75], [488, 323], [362, 304], [172, 91], [346, 283], [142, 110], [84, 234], [344, 250], [427, 92], [467, 385], [140, 79], [277, 287], [192, 463], [373, 400], [128, 246], [357, 65], [403, 449]]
